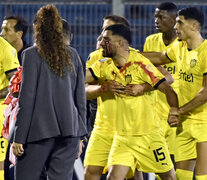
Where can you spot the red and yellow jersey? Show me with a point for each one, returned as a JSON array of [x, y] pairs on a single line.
[[134, 115], [192, 67], [106, 104], [155, 43]]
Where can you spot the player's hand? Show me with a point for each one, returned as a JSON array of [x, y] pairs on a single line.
[[81, 146], [173, 117], [133, 90], [18, 149], [173, 120], [113, 87]]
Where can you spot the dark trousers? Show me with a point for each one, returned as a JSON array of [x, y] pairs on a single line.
[[57, 155]]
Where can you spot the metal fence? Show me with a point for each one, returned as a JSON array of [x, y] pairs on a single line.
[[86, 18]]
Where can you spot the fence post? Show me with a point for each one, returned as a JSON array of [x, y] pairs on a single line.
[[118, 7]]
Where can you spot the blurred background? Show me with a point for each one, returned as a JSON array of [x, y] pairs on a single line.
[[86, 17]]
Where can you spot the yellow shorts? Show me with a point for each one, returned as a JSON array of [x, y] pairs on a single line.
[[98, 149], [147, 153], [3, 142], [188, 134], [169, 134]]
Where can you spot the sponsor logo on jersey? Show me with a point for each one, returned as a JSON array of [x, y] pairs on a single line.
[[170, 69], [186, 77]]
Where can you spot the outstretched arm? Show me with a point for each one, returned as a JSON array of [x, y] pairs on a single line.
[[157, 58]]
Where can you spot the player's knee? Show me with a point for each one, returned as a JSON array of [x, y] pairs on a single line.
[[92, 171], [113, 176]]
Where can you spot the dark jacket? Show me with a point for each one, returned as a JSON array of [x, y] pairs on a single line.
[[50, 106]]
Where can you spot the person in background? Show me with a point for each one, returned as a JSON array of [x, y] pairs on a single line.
[[51, 130], [190, 54], [165, 19], [14, 29], [9, 64], [68, 36]]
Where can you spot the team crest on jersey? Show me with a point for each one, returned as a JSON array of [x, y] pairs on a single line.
[[128, 78], [193, 63]]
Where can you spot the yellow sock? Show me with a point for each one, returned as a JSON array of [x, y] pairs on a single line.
[[184, 174], [1, 174], [201, 177]]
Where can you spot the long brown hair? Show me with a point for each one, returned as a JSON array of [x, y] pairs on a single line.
[[48, 35]]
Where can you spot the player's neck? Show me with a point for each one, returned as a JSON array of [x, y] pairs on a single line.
[[121, 58], [194, 41], [168, 37], [18, 45]]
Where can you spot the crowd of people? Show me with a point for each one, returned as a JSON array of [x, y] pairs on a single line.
[[147, 110]]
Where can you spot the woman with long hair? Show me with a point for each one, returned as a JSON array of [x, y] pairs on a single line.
[[52, 103]]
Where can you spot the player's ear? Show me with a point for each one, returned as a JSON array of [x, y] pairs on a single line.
[[195, 25], [121, 42]]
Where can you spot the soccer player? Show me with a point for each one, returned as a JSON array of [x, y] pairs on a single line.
[[165, 18], [8, 64], [14, 29], [190, 53], [103, 132], [137, 142]]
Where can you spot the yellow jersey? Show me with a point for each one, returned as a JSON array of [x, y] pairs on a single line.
[[155, 43], [106, 104], [8, 62], [192, 66], [134, 115]]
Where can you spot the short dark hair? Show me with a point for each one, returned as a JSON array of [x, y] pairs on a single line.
[[66, 28], [21, 25], [168, 6], [192, 13], [121, 30], [117, 19]]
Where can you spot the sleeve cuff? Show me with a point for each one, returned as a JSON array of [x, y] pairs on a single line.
[[156, 85], [92, 73]]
